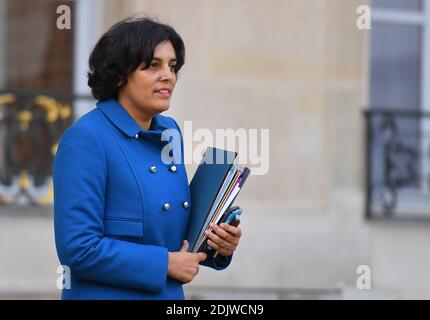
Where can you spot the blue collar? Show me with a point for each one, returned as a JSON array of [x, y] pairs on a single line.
[[117, 114]]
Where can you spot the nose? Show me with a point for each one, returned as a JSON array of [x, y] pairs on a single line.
[[167, 73]]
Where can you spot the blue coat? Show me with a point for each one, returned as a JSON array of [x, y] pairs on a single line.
[[118, 209]]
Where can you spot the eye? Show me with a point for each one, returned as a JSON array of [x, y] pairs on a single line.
[[153, 65]]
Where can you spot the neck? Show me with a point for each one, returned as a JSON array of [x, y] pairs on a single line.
[[142, 119], [144, 124]]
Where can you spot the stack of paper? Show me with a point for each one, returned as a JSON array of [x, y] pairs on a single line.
[[214, 188]]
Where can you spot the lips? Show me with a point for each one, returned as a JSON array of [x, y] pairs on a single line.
[[164, 92]]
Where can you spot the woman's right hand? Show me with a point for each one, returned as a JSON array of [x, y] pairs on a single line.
[[184, 265]]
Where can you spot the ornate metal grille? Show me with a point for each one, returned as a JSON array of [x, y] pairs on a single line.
[[398, 163], [31, 124]]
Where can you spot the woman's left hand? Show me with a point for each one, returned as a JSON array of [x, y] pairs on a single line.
[[224, 238]]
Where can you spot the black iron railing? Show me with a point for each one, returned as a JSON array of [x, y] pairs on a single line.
[[397, 164], [31, 124]]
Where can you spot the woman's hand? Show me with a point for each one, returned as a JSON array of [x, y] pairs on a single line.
[[184, 265], [224, 238]]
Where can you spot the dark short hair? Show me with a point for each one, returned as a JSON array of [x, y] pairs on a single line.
[[123, 48]]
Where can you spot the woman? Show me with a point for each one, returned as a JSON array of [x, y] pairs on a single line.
[[120, 211]]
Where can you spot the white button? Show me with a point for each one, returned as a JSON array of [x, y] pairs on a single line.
[[186, 204], [173, 168], [153, 169], [166, 206], [137, 136]]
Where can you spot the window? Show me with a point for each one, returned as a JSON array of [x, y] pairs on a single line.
[[398, 120], [37, 94]]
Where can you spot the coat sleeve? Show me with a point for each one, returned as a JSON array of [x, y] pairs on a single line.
[[80, 176], [220, 262]]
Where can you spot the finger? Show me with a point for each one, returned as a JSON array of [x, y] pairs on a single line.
[[215, 238], [214, 245], [235, 231], [222, 233], [184, 247], [223, 251], [201, 256]]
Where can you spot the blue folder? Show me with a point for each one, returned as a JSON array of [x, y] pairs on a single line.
[[204, 187]]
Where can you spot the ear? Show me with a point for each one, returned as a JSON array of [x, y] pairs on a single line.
[[121, 81]]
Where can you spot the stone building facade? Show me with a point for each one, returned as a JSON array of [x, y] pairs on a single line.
[[302, 70]]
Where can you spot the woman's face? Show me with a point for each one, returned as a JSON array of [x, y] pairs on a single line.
[[148, 91]]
